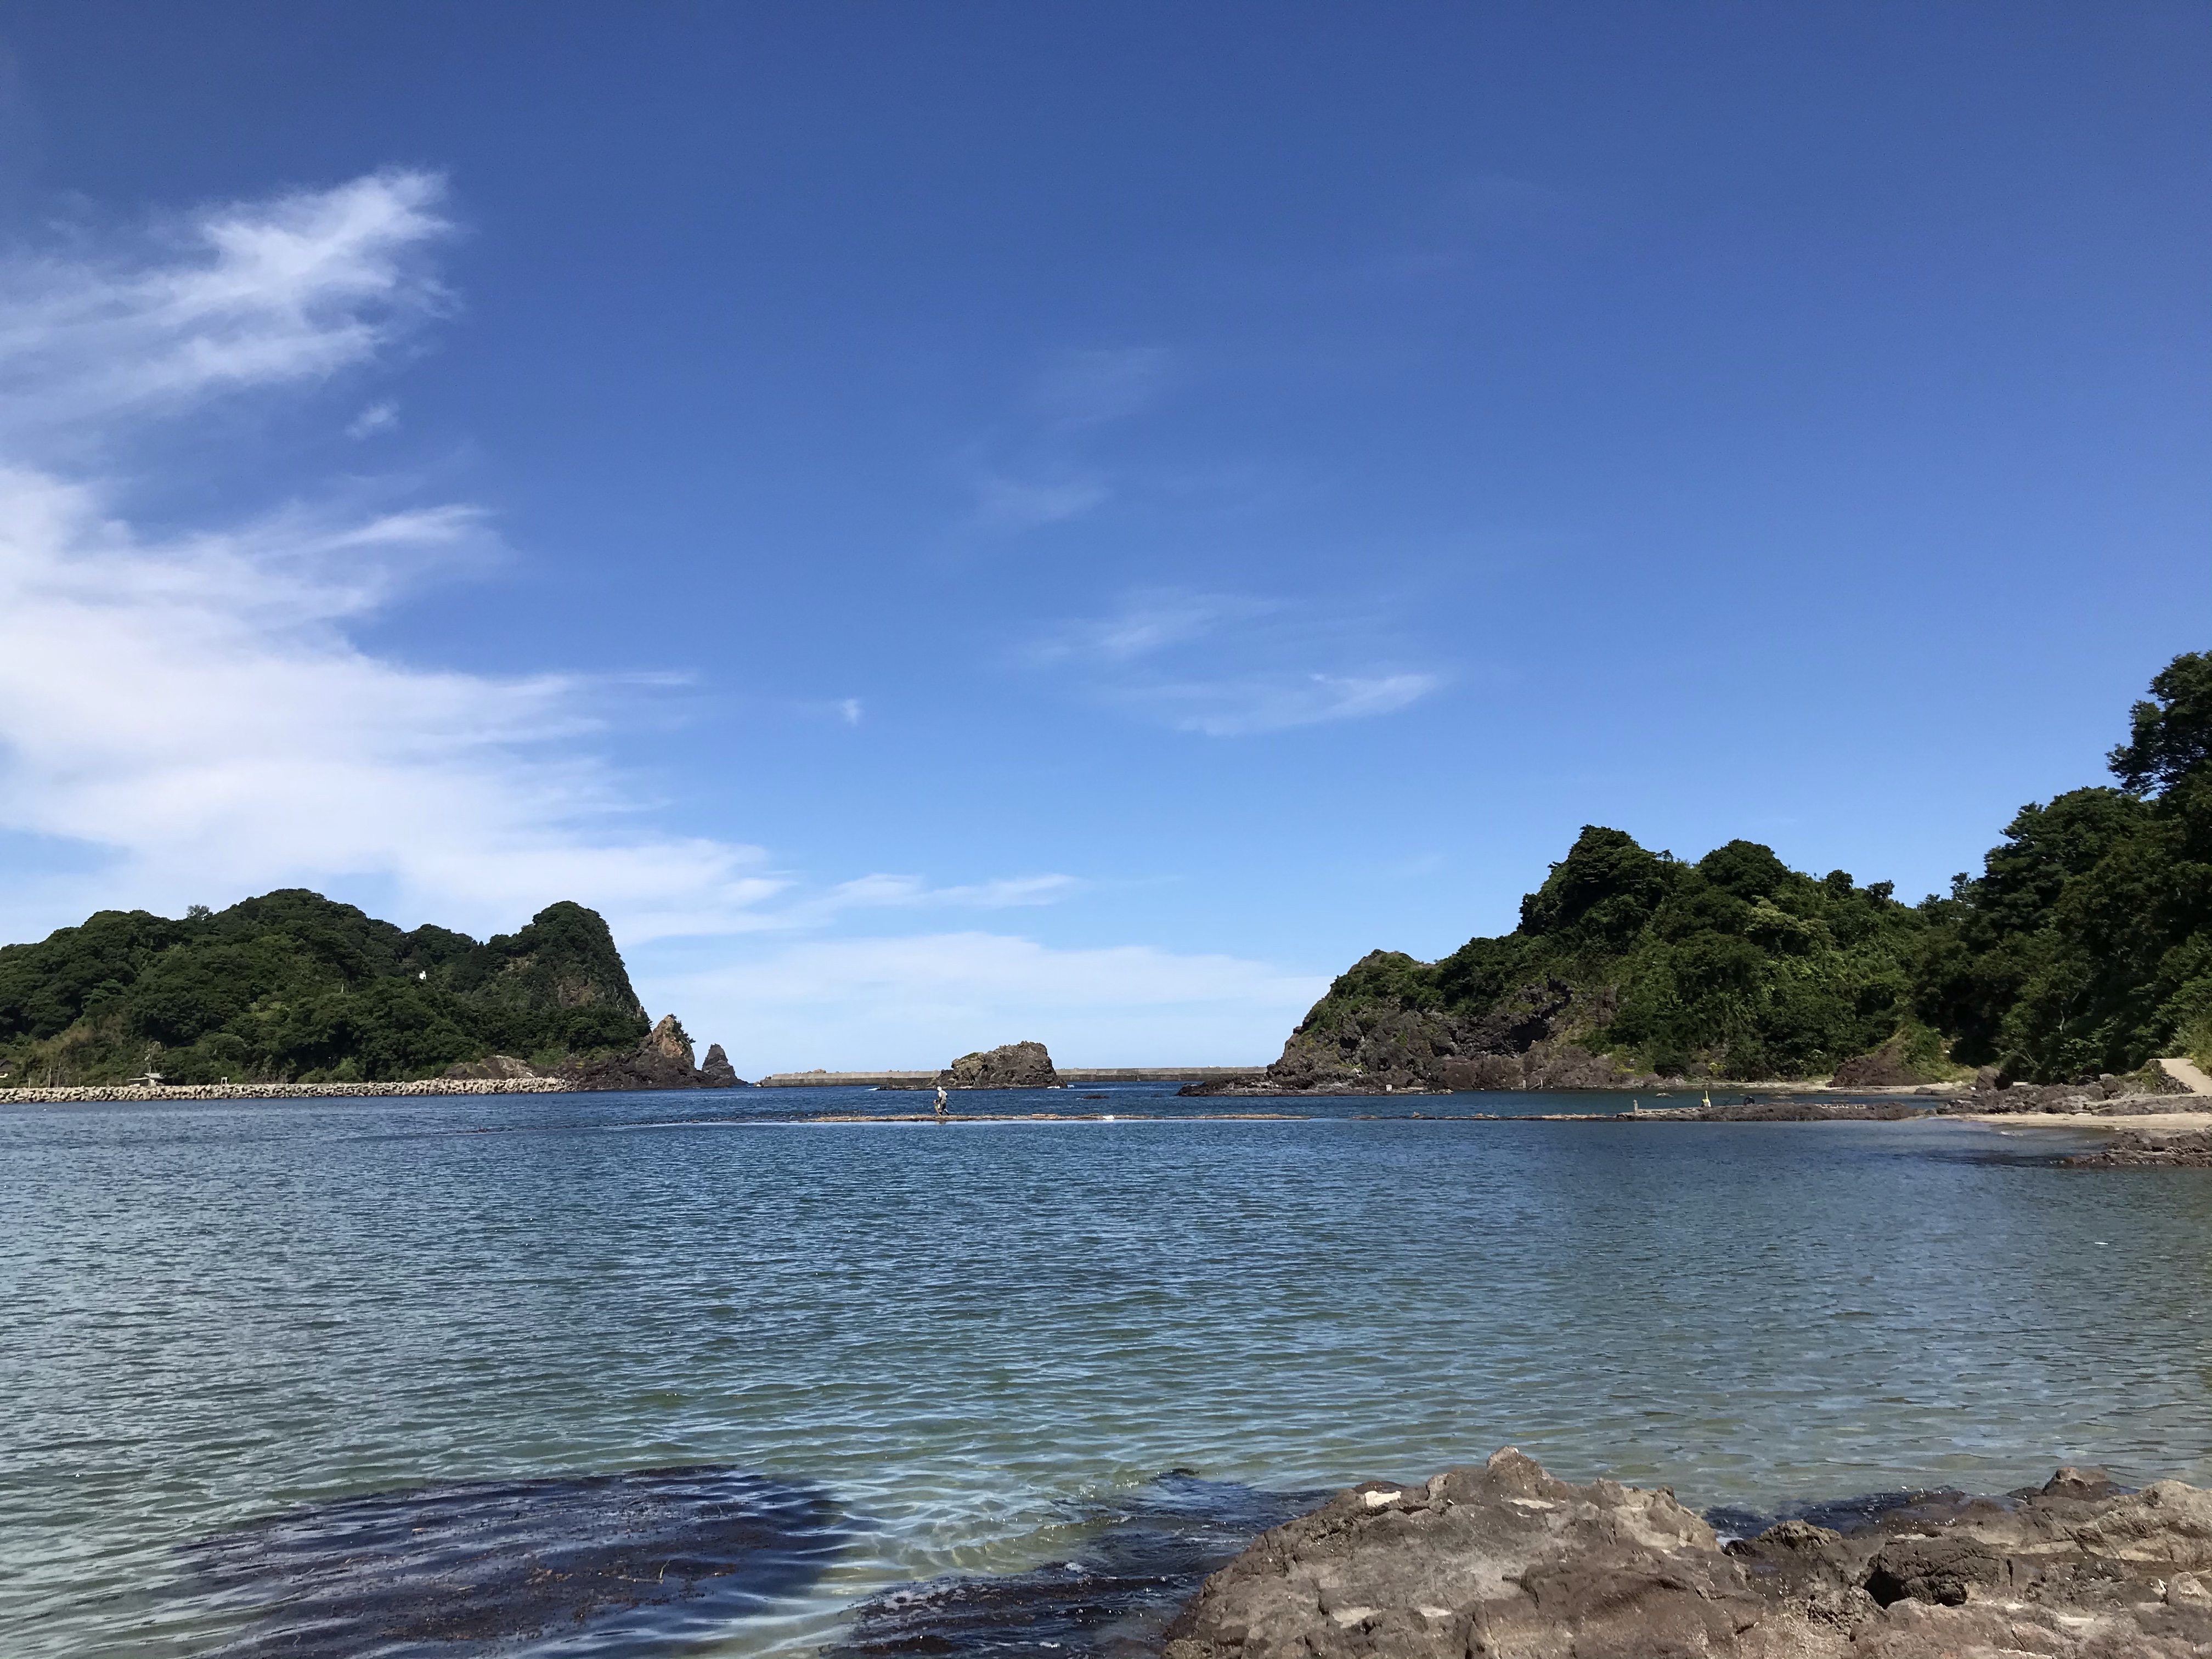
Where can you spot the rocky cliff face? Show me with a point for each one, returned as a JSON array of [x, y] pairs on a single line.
[[1381, 1045], [1507, 1559], [663, 1060], [1011, 1066]]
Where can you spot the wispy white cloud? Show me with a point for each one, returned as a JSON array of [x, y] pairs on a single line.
[[1148, 623], [1046, 475], [286, 290], [191, 709], [878, 891], [190, 716], [377, 417], [1241, 707], [871, 1002], [194, 709], [1091, 388], [1005, 503], [1216, 663]]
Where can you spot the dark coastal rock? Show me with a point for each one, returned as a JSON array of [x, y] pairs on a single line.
[[1010, 1065], [1262, 1088], [495, 1066], [1502, 1559], [649, 1561], [2189, 1149], [1939, 1569], [663, 1060], [715, 1071], [1506, 1559], [1560, 1065], [2106, 1097], [1886, 1067], [1384, 1047], [1793, 1108]]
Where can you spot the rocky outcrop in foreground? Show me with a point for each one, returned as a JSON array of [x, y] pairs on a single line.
[[663, 1060], [1507, 1560]]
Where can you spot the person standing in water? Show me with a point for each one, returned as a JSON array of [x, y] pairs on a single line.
[[940, 1103]]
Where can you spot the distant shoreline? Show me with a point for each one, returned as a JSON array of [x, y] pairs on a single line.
[[89, 1094], [435, 1085]]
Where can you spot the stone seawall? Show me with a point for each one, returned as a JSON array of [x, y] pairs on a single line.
[[436, 1085]]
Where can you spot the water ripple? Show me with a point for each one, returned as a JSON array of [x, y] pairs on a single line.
[[218, 1312]]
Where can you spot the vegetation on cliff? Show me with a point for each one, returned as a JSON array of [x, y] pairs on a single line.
[[2084, 947], [1736, 963], [292, 986]]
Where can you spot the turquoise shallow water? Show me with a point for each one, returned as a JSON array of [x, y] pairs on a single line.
[[214, 1312]]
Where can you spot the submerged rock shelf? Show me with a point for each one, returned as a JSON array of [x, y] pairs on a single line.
[[639, 1561]]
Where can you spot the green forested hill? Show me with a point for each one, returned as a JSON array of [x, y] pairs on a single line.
[[1734, 964], [2085, 946], [294, 987]]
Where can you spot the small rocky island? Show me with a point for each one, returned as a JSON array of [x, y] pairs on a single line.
[[1506, 1559], [1023, 1065]]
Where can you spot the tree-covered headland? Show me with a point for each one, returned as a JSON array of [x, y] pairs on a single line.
[[2083, 947], [294, 987]]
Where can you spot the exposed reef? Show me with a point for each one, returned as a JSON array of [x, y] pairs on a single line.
[[2107, 1096], [1507, 1559], [2186, 1149], [1788, 1110]]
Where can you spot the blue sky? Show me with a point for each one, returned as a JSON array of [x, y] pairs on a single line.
[[952, 523]]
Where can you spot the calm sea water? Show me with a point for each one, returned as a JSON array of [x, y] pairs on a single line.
[[954, 1337]]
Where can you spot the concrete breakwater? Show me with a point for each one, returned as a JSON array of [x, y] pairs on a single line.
[[818, 1079], [436, 1085]]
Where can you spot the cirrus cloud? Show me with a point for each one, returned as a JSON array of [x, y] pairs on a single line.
[[1218, 664]]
